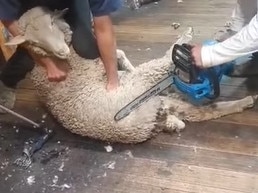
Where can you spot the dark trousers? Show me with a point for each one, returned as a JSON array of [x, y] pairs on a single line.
[[83, 40]]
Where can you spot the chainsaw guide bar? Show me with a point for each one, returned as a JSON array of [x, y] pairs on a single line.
[[144, 97]]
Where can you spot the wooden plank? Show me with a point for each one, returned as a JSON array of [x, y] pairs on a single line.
[[26, 84], [205, 157], [162, 30], [215, 136], [116, 183], [26, 95], [188, 178], [167, 14], [246, 118], [6, 50]]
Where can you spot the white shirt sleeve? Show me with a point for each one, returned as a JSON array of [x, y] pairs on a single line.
[[241, 44]]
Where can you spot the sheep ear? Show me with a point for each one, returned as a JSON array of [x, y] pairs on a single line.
[[16, 41], [59, 14]]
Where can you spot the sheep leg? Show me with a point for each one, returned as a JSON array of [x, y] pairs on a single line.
[[123, 61], [220, 109], [188, 112], [235, 106]]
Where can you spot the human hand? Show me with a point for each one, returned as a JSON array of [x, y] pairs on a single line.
[[56, 69], [55, 74], [112, 86], [196, 55]]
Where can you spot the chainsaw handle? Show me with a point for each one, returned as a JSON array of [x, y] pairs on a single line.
[[212, 75], [193, 69], [181, 56]]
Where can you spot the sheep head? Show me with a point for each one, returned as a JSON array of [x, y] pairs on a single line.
[[44, 30]]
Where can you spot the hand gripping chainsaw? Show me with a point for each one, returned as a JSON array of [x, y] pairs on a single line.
[[197, 84]]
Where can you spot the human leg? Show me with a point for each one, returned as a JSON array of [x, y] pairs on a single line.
[[83, 39], [16, 68], [242, 13], [13, 72]]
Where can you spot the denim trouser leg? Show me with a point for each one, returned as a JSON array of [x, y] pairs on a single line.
[[16, 68], [83, 39]]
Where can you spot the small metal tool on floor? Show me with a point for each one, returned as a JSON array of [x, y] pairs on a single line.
[[30, 148], [136, 4]]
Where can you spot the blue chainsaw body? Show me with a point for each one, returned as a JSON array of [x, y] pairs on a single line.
[[203, 83]]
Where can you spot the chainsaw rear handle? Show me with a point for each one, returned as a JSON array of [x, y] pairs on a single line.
[[181, 56]]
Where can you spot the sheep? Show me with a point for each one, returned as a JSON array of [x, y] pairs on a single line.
[[83, 106]]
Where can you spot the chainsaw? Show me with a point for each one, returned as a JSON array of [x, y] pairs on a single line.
[[197, 84]]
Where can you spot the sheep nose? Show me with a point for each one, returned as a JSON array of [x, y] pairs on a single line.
[[64, 51]]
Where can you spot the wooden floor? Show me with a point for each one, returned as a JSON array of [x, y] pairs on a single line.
[[219, 156]]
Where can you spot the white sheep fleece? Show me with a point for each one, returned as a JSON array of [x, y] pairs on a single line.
[[82, 105]]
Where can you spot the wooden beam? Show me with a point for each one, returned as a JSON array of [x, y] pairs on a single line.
[[6, 50]]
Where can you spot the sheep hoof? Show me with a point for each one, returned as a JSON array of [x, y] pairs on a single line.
[[255, 97], [251, 100], [123, 61], [174, 124], [254, 100]]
